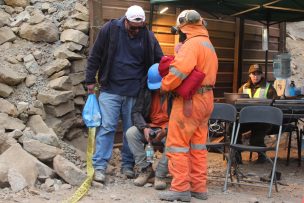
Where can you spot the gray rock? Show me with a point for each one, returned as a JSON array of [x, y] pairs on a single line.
[[62, 83], [15, 134], [36, 17], [60, 109], [61, 73], [68, 171], [46, 138], [82, 9], [5, 90], [37, 124], [30, 80], [22, 107], [56, 66], [41, 151], [17, 3], [20, 18], [77, 25], [77, 78], [81, 16], [74, 133], [72, 46], [6, 35], [79, 101], [11, 77], [78, 66], [74, 36], [17, 180], [4, 18], [78, 90], [45, 31], [37, 54], [63, 52], [55, 97], [6, 142], [24, 165], [8, 108], [61, 126], [10, 123]]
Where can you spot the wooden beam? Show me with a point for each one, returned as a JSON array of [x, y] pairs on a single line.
[[282, 44], [236, 54]]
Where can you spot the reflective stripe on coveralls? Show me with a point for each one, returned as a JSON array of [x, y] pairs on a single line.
[[188, 165], [260, 93], [185, 149]]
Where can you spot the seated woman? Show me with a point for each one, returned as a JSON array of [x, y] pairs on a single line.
[[257, 88]]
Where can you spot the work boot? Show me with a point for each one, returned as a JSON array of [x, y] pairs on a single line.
[[173, 195], [144, 176], [199, 195], [128, 172], [100, 176], [160, 183]]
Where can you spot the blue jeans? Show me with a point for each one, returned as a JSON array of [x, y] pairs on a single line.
[[112, 106]]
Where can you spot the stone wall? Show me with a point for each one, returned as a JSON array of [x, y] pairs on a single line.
[[43, 47], [295, 46], [43, 51]]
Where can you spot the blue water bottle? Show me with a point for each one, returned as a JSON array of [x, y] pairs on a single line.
[[292, 89]]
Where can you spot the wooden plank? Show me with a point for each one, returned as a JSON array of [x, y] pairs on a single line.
[[258, 54]]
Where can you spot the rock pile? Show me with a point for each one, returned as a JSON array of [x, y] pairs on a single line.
[[44, 44]]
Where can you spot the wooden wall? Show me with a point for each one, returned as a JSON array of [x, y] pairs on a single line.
[[222, 33]]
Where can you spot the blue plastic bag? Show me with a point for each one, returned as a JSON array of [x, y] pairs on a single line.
[[91, 114]]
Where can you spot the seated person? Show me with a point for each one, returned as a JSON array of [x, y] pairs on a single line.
[[149, 112], [256, 87]]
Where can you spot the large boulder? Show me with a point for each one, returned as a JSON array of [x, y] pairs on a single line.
[[68, 171], [17, 3], [76, 25], [21, 168], [60, 109], [61, 83], [41, 151], [45, 31]]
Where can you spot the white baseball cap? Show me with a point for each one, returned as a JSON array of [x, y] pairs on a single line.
[[135, 14]]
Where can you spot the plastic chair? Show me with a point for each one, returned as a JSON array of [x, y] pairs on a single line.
[[222, 112], [257, 114]]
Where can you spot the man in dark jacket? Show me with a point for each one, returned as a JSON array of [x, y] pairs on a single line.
[[122, 53], [149, 114]]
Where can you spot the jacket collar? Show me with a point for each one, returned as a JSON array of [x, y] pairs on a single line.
[[194, 30]]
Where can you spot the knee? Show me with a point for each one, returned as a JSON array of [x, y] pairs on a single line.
[[131, 133]]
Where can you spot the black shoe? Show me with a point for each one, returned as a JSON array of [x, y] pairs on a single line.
[[261, 159]]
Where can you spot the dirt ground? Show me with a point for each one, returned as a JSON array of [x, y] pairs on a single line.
[[119, 189]]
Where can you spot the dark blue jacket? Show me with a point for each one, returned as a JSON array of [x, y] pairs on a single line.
[[103, 52]]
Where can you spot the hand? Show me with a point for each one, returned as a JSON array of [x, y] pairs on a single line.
[[91, 88], [160, 135], [147, 134]]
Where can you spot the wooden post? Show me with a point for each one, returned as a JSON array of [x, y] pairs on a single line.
[[238, 44], [282, 45]]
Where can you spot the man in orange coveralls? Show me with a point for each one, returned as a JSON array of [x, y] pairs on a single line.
[[186, 139]]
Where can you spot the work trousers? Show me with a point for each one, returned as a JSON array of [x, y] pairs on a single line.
[[186, 144]]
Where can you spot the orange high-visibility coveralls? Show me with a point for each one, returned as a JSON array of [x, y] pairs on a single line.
[[186, 139]]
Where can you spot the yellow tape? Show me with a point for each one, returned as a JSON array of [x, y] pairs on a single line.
[[85, 186]]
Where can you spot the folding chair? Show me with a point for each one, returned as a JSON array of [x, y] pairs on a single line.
[[222, 112], [256, 114]]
